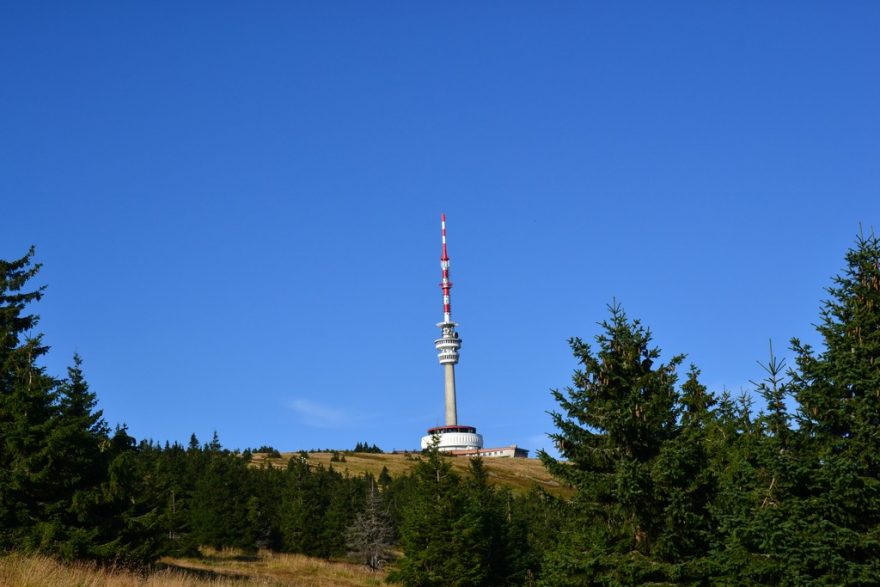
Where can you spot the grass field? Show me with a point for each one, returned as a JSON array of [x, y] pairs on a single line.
[[214, 569], [518, 474]]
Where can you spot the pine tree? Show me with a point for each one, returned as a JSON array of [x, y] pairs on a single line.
[[343, 496], [27, 405], [486, 517], [264, 507], [453, 530], [428, 532], [534, 523], [173, 487], [220, 503], [79, 444], [131, 531], [838, 392], [302, 509], [756, 515], [686, 485], [837, 389], [57, 492], [639, 513], [85, 431]]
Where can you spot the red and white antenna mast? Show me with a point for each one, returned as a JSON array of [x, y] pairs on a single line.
[[449, 342], [445, 285]]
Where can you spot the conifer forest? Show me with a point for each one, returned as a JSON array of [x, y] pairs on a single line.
[[668, 482]]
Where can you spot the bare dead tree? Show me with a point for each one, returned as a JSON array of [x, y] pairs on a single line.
[[370, 536]]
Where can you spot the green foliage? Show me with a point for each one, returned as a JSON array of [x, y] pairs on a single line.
[[837, 388], [674, 487], [430, 532], [79, 442], [635, 453], [455, 531], [366, 447], [130, 525], [55, 448], [317, 507], [219, 502], [838, 393], [27, 405]]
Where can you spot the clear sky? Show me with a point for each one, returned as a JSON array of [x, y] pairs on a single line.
[[237, 205]]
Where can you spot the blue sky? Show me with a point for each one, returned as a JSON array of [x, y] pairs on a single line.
[[237, 205]]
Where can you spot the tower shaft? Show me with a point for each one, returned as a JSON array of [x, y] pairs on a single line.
[[449, 342], [449, 380]]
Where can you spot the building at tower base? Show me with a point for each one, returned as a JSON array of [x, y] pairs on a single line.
[[451, 438], [512, 451]]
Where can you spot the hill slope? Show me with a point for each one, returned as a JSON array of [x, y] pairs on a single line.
[[518, 474]]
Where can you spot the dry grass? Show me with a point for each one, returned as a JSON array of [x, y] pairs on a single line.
[[280, 569], [518, 474], [40, 571], [227, 569]]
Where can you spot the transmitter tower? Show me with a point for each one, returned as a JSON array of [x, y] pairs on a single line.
[[453, 436]]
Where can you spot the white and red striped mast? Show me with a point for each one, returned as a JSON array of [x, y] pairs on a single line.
[[449, 342], [445, 285]]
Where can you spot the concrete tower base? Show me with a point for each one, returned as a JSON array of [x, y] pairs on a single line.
[[454, 438]]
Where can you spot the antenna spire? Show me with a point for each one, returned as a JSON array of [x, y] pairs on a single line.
[[445, 284]]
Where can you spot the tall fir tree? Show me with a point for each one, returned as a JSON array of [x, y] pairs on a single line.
[[79, 443], [760, 524], [27, 405], [302, 509], [498, 543], [641, 493], [838, 392], [131, 530], [686, 484], [219, 501], [445, 536]]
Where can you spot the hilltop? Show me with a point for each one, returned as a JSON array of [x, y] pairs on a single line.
[[518, 474]]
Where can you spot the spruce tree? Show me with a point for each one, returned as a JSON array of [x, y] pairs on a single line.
[[347, 497], [453, 531], [686, 485], [428, 532], [81, 426], [79, 443], [27, 405], [486, 513], [132, 534], [639, 513], [838, 392], [219, 505], [759, 524], [302, 509]]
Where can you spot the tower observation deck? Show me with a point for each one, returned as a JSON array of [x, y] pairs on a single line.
[[452, 436]]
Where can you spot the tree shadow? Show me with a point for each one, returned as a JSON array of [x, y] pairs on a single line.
[[205, 574]]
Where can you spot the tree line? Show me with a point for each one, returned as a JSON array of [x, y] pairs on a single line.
[[670, 483], [677, 485]]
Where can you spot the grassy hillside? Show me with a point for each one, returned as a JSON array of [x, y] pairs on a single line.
[[518, 474]]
